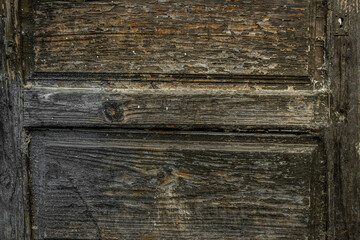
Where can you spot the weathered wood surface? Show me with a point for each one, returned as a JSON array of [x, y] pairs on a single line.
[[144, 36], [174, 108], [13, 208], [178, 185], [343, 135], [196, 64]]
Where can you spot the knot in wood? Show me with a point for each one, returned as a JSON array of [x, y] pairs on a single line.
[[112, 111]]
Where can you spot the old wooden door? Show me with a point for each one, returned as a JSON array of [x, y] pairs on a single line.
[[179, 119]]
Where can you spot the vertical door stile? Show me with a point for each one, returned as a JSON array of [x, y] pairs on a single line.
[[342, 138]]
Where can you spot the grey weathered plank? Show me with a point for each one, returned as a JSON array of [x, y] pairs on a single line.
[[180, 185], [174, 108], [238, 37]]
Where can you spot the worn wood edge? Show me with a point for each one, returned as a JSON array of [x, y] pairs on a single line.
[[317, 65], [89, 107], [14, 208], [319, 217], [86, 76], [172, 81], [161, 140], [310, 138]]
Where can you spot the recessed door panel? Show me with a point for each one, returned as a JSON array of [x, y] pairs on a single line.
[[190, 37], [182, 185]]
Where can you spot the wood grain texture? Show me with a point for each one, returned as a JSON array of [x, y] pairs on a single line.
[[177, 185], [13, 208], [176, 108], [146, 36], [343, 135]]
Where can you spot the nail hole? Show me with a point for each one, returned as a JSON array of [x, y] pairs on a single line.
[[340, 21]]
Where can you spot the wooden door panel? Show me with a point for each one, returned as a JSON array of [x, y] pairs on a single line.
[[181, 185], [145, 36], [225, 66], [164, 119]]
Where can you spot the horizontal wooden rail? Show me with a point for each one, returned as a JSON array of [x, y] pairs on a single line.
[[62, 107]]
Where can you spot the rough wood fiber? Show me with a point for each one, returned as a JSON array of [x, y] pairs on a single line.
[[190, 185], [178, 108], [343, 135], [145, 36], [13, 208]]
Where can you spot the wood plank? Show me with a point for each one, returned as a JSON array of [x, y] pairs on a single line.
[[176, 185], [174, 108], [146, 36]]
